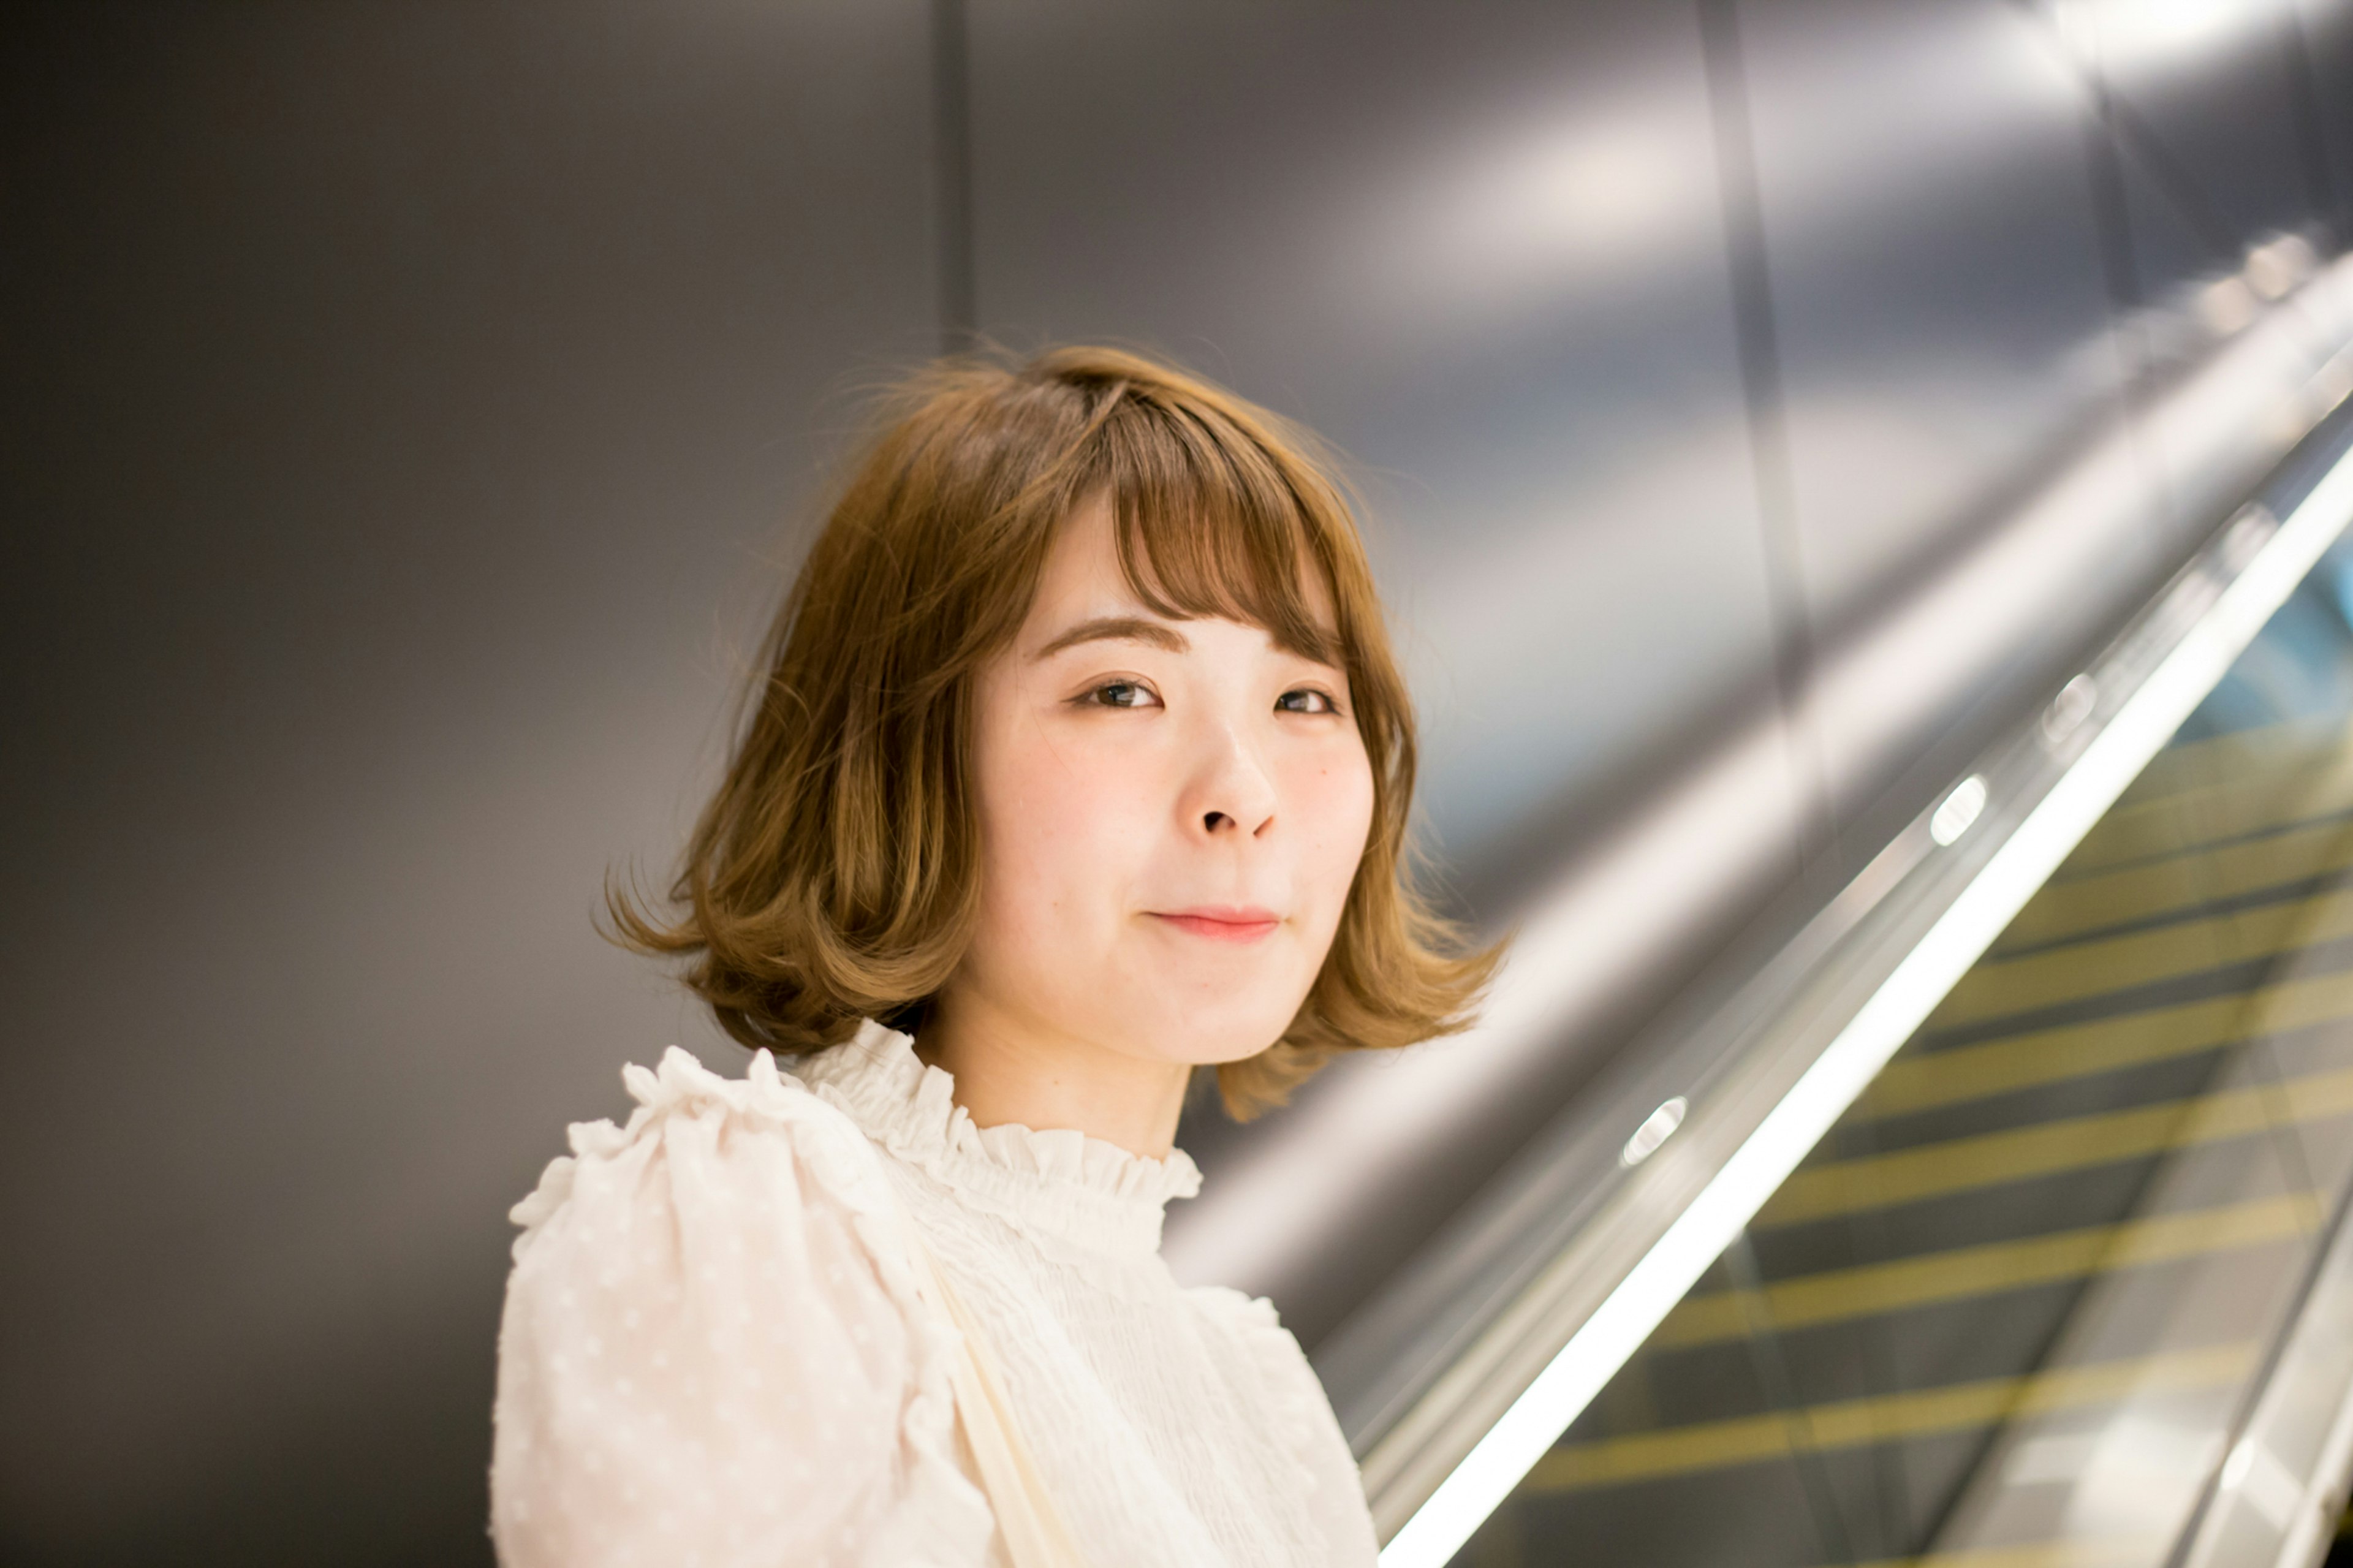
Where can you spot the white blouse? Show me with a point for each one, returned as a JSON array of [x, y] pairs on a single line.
[[712, 1353]]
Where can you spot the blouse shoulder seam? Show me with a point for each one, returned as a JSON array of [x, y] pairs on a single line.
[[765, 1100]]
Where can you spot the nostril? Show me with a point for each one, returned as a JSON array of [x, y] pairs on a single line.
[[1213, 818]]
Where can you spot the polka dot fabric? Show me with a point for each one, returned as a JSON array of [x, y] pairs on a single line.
[[713, 1354]]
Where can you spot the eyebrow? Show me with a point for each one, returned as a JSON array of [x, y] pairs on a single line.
[[1105, 628]]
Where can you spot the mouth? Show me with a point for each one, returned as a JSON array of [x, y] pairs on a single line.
[[1221, 922]]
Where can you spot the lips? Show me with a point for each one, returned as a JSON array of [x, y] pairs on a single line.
[[1221, 922]]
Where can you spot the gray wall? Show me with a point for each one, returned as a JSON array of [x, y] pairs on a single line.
[[411, 408], [1486, 258], [406, 407]]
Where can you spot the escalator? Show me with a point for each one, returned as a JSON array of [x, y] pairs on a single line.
[[2006, 1225]]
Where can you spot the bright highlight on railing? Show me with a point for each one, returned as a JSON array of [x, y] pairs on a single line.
[[1959, 811], [2012, 874], [1656, 1128], [2070, 709]]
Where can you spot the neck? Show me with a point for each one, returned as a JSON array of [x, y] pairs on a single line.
[[1007, 1072]]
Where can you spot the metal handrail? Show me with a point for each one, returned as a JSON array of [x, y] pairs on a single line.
[[1777, 1064]]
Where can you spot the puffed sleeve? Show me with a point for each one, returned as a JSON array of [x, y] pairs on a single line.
[[712, 1353]]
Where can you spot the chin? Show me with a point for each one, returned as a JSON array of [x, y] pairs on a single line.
[[1225, 1034], [1199, 1013]]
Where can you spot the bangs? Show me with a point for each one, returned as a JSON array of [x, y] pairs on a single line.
[[1209, 525]]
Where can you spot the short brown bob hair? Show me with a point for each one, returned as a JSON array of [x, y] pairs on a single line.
[[833, 876]]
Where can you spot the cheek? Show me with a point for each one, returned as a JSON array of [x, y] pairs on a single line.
[[1062, 828], [1335, 800]]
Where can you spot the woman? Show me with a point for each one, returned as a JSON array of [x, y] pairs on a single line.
[[1078, 761]]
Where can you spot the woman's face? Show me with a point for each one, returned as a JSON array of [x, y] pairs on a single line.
[[1171, 813]]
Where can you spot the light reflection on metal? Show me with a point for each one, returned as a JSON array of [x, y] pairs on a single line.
[[2141, 725], [2070, 709], [2133, 34], [1520, 207], [2069, 534], [1656, 1128], [1958, 812], [1612, 187], [2246, 533], [2270, 1488], [2275, 267], [2227, 305], [2155, 1445], [2277, 1497]]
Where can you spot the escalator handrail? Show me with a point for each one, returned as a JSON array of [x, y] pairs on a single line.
[[1850, 991]]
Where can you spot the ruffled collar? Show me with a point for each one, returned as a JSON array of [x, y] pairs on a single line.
[[1059, 1181]]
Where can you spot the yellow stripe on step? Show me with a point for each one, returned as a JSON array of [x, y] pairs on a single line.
[[1845, 1294], [1923, 1081], [2185, 881], [1998, 986], [2051, 1148], [2193, 796], [1717, 1445], [2097, 1551]]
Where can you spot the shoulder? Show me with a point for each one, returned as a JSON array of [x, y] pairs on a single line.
[[1251, 1323], [1300, 1412], [1252, 1332], [763, 1122], [713, 1345]]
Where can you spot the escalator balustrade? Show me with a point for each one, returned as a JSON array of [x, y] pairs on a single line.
[[2007, 1314]]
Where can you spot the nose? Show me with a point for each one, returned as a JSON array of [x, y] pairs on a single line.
[[1233, 794]]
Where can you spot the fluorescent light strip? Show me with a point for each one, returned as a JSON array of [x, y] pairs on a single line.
[[1961, 936]]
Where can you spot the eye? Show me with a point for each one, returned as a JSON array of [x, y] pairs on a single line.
[[1305, 699], [1119, 694]]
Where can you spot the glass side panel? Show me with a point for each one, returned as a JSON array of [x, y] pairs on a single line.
[[2007, 1313]]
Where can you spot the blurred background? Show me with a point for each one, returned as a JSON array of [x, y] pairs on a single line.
[[414, 411]]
